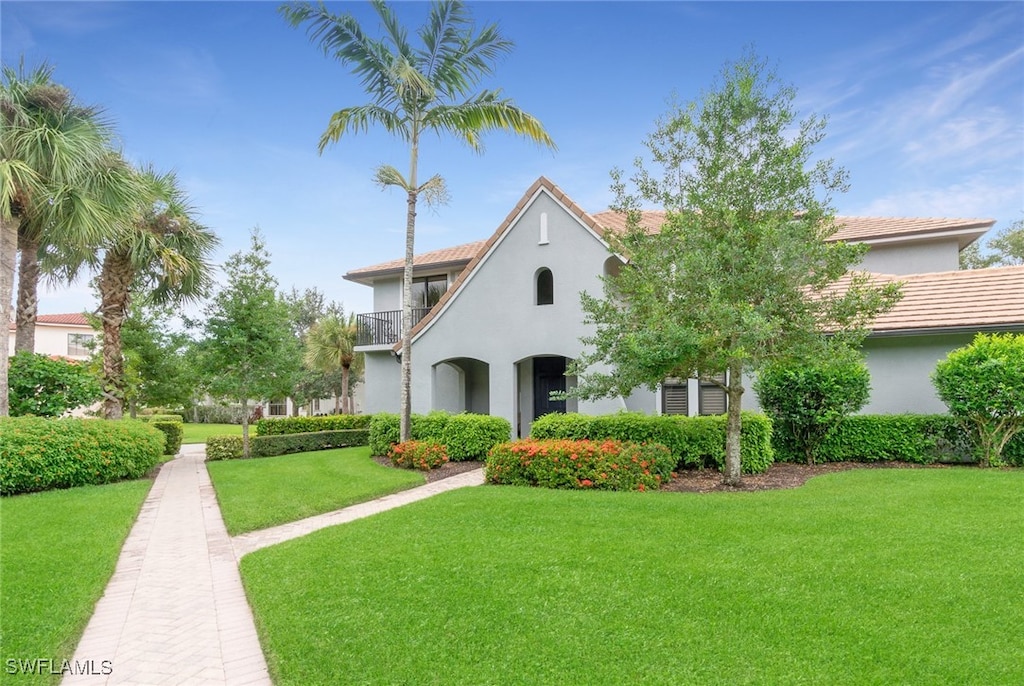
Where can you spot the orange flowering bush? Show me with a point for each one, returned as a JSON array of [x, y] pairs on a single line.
[[423, 455], [561, 463]]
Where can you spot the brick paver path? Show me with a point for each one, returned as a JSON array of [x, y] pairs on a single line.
[[175, 612]]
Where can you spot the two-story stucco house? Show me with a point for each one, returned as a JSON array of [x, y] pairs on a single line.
[[61, 335], [498, 319]]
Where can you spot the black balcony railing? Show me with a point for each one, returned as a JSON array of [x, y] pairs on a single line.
[[384, 328]]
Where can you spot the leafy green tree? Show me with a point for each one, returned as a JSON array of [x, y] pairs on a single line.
[[417, 90], [248, 350], [330, 347], [56, 176], [1007, 248], [808, 399], [307, 308], [741, 272], [982, 384], [50, 387]]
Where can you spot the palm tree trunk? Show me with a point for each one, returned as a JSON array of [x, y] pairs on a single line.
[[115, 283], [28, 292], [734, 391], [8, 250], [346, 407], [405, 432], [337, 403]]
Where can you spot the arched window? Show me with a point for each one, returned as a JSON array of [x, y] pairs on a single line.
[[545, 287]]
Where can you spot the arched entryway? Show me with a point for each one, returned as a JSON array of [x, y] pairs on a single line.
[[537, 378], [462, 384]]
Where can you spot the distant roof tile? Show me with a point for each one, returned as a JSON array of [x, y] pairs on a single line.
[[459, 254], [71, 319]]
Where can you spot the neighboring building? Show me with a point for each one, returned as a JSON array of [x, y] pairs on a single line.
[[498, 320], [63, 335]]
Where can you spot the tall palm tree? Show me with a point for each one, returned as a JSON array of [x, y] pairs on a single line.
[[48, 145], [415, 90], [163, 255], [330, 347]]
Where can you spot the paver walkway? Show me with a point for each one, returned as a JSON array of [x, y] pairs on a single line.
[[175, 611]]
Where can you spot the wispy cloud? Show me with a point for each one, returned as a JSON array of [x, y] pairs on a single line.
[[973, 197], [185, 77]]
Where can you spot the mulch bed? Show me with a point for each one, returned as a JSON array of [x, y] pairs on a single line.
[[779, 475]]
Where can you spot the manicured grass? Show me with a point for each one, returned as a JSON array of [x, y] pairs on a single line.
[[198, 433], [262, 492], [861, 577], [57, 553]]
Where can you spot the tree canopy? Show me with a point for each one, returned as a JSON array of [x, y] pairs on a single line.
[[742, 272], [249, 351]]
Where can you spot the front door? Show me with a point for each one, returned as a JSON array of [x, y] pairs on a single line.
[[548, 376]]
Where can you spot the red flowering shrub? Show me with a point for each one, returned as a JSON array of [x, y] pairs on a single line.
[[418, 455], [604, 465]]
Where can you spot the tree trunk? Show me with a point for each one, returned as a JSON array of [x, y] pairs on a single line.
[[28, 295], [337, 403], [405, 432], [8, 251], [245, 427], [732, 475], [346, 406], [115, 295]]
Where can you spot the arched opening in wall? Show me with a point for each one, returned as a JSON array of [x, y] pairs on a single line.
[[545, 287], [612, 266], [462, 384]]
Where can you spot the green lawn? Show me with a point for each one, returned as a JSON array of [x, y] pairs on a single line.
[[862, 577], [57, 553], [262, 492], [198, 433]]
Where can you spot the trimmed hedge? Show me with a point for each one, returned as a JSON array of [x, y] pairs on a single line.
[[918, 438], [150, 418], [230, 447], [172, 435], [608, 465], [300, 425], [466, 436], [694, 441], [38, 454]]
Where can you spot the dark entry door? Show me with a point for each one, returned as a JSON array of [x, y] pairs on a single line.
[[548, 376]]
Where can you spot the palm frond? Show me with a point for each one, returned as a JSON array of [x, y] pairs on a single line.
[[358, 119], [486, 112]]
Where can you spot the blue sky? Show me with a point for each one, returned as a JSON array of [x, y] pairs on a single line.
[[925, 104]]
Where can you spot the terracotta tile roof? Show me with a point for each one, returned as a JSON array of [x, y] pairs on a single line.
[[72, 319], [542, 182], [455, 256], [969, 299], [850, 228]]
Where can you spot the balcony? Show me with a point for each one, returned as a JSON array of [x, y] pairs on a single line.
[[384, 328]]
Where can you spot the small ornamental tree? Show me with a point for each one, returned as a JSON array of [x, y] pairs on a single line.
[[808, 399], [982, 384], [47, 387]]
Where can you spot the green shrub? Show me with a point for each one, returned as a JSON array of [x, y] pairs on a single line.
[[46, 387], [807, 400], [298, 425], [162, 418], [470, 436], [580, 464], [218, 414], [466, 436], [38, 454], [230, 447], [224, 447], [172, 435], [423, 455], [982, 384], [921, 439], [694, 441]]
